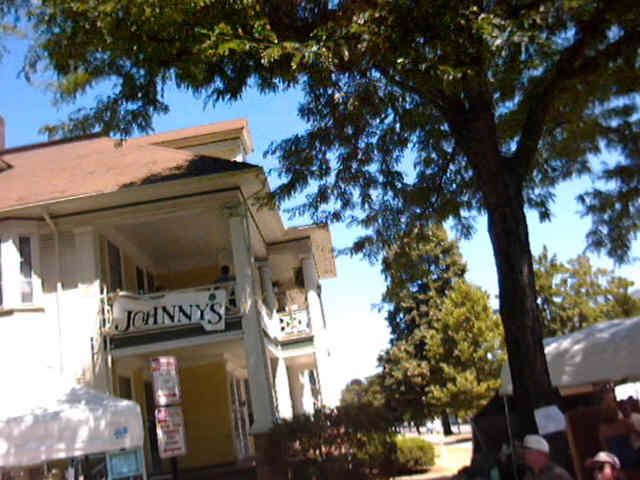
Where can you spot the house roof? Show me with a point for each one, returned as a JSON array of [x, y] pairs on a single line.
[[194, 136], [94, 166], [53, 171], [67, 176]]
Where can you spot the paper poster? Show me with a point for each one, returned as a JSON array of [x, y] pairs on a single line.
[[550, 419], [171, 434], [166, 381]]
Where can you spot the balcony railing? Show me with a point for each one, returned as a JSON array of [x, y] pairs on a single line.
[[294, 322]]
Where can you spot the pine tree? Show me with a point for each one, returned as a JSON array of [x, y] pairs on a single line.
[[446, 349]]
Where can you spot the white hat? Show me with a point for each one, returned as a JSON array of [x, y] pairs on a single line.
[[603, 457], [535, 442]]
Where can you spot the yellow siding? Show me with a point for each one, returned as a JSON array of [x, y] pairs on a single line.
[[188, 278], [129, 274], [138, 388], [206, 416]]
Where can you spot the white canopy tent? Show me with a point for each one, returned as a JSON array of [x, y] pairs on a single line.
[[57, 422], [604, 352]]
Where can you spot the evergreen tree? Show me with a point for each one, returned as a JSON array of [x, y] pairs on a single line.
[[419, 271], [445, 353], [470, 107]]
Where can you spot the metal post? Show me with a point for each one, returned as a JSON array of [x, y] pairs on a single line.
[[510, 433], [174, 468]]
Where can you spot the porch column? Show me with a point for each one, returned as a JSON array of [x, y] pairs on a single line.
[[316, 319], [297, 389], [267, 286], [312, 289], [307, 393], [257, 368], [283, 393]]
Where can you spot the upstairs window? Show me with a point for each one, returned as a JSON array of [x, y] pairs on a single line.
[[19, 280], [115, 267], [26, 269]]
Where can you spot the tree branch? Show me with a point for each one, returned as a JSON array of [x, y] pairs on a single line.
[[541, 95]]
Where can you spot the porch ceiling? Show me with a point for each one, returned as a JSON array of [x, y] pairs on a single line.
[[180, 241], [233, 351]]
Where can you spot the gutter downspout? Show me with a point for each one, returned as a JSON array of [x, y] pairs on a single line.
[[56, 243]]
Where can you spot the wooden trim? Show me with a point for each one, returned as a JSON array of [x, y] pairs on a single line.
[[10, 311]]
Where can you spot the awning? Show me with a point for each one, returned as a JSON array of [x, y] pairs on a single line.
[[62, 422], [604, 352]]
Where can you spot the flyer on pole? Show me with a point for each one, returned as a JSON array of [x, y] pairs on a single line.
[[166, 381], [171, 434]]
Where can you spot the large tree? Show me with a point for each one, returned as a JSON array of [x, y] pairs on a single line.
[[576, 294], [417, 110]]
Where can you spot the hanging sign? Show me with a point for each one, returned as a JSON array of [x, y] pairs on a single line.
[[170, 430], [166, 381], [135, 313], [124, 464]]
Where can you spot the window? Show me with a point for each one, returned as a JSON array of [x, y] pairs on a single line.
[[115, 267], [26, 270], [19, 267], [140, 280]]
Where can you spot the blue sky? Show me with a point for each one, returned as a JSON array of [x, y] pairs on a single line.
[[357, 331]]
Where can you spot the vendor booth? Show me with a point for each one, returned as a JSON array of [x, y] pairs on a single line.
[[581, 365], [602, 353], [71, 427]]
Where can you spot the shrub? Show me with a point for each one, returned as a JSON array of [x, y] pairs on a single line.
[[414, 454], [349, 442]]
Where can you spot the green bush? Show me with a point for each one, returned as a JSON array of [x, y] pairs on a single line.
[[414, 454], [353, 442]]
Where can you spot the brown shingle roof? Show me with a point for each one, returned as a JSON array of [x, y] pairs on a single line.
[[94, 166]]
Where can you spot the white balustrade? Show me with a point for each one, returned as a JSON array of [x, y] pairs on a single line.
[[294, 322]]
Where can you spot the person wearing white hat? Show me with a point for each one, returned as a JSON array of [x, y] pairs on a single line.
[[535, 455], [604, 466]]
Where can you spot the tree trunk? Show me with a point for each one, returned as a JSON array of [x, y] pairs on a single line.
[[446, 425], [522, 326]]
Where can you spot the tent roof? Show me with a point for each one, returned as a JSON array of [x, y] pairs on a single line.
[[604, 352], [65, 421]]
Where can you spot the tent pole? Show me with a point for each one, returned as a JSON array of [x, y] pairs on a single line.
[[510, 433], [109, 367]]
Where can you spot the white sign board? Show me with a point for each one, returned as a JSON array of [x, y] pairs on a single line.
[[166, 381], [135, 313], [549, 419], [171, 434]]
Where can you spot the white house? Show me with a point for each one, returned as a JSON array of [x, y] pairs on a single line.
[[111, 255]]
